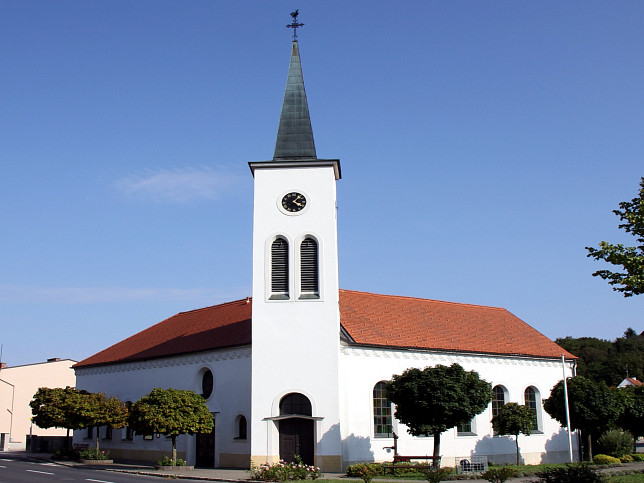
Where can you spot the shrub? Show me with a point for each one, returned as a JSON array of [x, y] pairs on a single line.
[[283, 471], [435, 475], [626, 458], [92, 454], [637, 456], [571, 474], [604, 459], [499, 475], [615, 442], [366, 471], [167, 461]]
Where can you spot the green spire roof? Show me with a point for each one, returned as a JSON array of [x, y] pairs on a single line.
[[295, 135]]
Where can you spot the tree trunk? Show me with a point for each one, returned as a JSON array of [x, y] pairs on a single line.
[[590, 448], [516, 441], [437, 449], [174, 450], [97, 428]]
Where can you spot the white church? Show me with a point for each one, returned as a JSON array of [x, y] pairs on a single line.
[[299, 368]]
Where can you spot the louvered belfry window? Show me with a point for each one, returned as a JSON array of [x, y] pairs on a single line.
[[309, 266], [279, 266]]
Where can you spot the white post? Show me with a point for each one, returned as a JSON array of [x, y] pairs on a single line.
[[563, 365]]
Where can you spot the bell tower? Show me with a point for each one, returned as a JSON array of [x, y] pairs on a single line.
[[295, 318]]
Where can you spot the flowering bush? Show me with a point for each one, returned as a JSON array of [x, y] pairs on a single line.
[[366, 471], [92, 454], [167, 461], [283, 471]]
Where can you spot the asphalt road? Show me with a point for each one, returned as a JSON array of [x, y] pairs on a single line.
[[19, 470]]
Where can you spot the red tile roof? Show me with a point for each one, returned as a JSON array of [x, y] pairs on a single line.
[[407, 322], [369, 319]]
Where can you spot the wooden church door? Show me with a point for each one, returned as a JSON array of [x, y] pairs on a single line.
[[296, 432], [206, 450]]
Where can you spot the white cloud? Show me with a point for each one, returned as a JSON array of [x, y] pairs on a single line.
[[180, 184], [91, 295]]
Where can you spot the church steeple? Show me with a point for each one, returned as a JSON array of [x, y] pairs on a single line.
[[295, 135]]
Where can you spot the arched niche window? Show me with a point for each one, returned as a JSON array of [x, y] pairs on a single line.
[[309, 273], [295, 403], [241, 427], [498, 399], [207, 383], [279, 269], [382, 420], [530, 397]]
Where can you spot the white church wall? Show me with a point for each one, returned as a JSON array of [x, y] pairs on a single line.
[[362, 368], [130, 381]]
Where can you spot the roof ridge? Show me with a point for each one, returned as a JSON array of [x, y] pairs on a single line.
[[244, 300], [407, 297]]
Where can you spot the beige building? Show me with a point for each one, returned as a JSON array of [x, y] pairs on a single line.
[[18, 384]]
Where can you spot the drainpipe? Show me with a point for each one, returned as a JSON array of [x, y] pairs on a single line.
[[563, 365]]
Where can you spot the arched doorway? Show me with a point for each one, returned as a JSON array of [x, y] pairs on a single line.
[[296, 428]]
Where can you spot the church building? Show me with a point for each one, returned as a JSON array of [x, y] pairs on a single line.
[[299, 368]]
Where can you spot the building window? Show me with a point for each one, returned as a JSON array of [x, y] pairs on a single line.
[[498, 399], [207, 382], [279, 268], [530, 398], [382, 421], [295, 403], [466, 428], [108, 432], [127, 433], [241, 427], [309, 268]]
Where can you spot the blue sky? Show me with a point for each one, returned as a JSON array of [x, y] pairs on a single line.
[[483, 146]]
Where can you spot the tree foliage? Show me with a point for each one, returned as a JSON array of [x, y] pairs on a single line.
[[171, 412], [630, 281], [514, 419], [434, 399], [603, 360], [632, 419], [56, 408], [98, 409], [593, 407]]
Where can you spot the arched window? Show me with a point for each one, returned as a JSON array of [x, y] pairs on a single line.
[[241, 427], [530, 397], [207, 383], [309, 267], [498, 399], [295, 403], [279, 268], [382, 422]]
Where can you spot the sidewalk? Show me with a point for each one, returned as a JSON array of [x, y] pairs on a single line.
[[235, 475]]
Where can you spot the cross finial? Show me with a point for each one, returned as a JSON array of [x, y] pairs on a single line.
[[295, 25]]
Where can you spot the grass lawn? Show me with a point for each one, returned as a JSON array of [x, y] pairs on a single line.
[[627, 478]]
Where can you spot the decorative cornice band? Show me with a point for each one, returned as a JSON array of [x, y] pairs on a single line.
[[437, 357], [185, 360]]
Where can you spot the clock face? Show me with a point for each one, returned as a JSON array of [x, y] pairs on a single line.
[[293, 202]]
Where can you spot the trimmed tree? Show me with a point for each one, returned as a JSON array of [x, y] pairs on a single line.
[[632, 419], [514, 419], [434, 399], [631, 281], [593, 407], [171, 412], [56, 408], [97, 409]]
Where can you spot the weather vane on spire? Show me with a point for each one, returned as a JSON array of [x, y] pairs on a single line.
[[294, 25]]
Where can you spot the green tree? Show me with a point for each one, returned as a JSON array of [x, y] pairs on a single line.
[[434, 399], [171, 412], [632, 419], [593, 407], [631, 281], [97, 409], [56, 408], [514, 419]]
